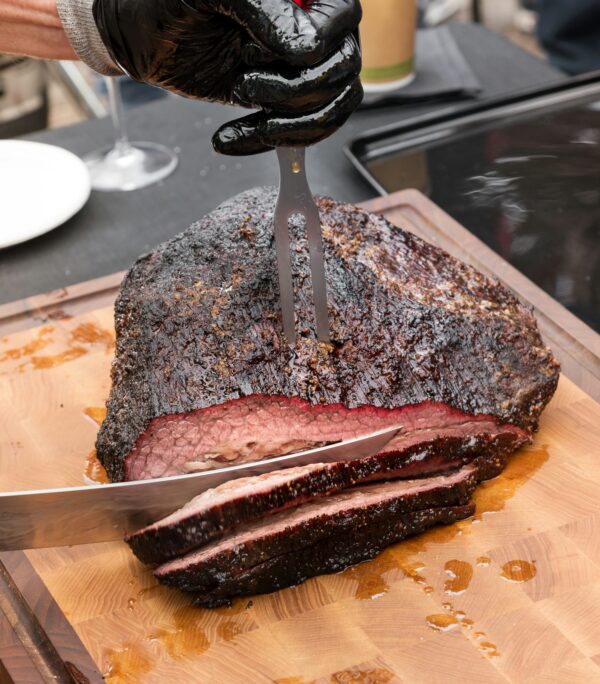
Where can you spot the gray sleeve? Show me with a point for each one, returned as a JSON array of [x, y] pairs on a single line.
[[80, 27]]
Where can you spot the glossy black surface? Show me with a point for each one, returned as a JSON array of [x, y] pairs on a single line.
[[298, 65], [529, 187]]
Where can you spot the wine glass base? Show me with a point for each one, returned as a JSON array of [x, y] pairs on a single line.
[[129, 166]]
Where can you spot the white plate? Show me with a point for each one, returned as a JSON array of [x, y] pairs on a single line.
[[41, 186]]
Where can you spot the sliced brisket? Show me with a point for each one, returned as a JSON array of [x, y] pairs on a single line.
[[217, 511], [324, 535], [203, 375], [330, 555], [250, 429]]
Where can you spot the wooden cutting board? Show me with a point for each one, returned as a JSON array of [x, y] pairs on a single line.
[[510, 595]]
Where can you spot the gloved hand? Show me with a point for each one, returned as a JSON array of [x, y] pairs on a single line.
[[298, 66]]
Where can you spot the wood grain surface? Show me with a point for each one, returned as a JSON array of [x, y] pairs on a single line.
[[512, 594]]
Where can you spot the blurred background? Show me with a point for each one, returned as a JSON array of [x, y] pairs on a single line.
[[35, 95]]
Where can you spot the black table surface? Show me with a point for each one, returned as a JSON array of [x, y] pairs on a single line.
[[113, 229]]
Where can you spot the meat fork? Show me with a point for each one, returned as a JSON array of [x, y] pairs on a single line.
[[295, 197]]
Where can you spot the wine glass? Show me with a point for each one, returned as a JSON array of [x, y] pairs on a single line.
[[127, 165]]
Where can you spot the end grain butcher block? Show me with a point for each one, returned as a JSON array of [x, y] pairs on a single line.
[[512, 594]]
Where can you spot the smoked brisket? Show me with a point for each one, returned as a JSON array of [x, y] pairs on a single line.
[[330, 555], [304, 542]]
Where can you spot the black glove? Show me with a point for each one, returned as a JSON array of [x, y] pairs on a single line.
[[299, 66]]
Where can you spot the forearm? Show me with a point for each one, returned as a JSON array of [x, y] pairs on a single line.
[[33, 27]]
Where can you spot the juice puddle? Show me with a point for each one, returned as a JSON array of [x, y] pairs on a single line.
[[126, 665], [354, 675], [519, 570], [358, 675], [491, 496], [90, 333], [459, 574], [452, 619], [184, 638], [79, 342], [41, 340], [94, 472], [442, 622], [371, 583], [53, 360], [96, 413], [489, 649]]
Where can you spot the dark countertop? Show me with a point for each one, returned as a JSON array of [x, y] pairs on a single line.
[[114, 228]]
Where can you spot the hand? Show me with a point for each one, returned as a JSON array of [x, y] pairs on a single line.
[[298, 66]]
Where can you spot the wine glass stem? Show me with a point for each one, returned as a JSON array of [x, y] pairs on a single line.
[[116, 111]]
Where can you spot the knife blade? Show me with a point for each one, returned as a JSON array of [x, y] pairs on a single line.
[[97, 513]]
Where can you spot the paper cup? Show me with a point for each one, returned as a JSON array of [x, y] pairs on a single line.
[[387, 35]]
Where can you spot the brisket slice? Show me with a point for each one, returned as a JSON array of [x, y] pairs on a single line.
[[219, 566], [217, 511], [330, 555], [254, 428], [203, 374]]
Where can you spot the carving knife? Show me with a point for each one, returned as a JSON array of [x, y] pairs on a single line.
[[294, 198], [84, 515]]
